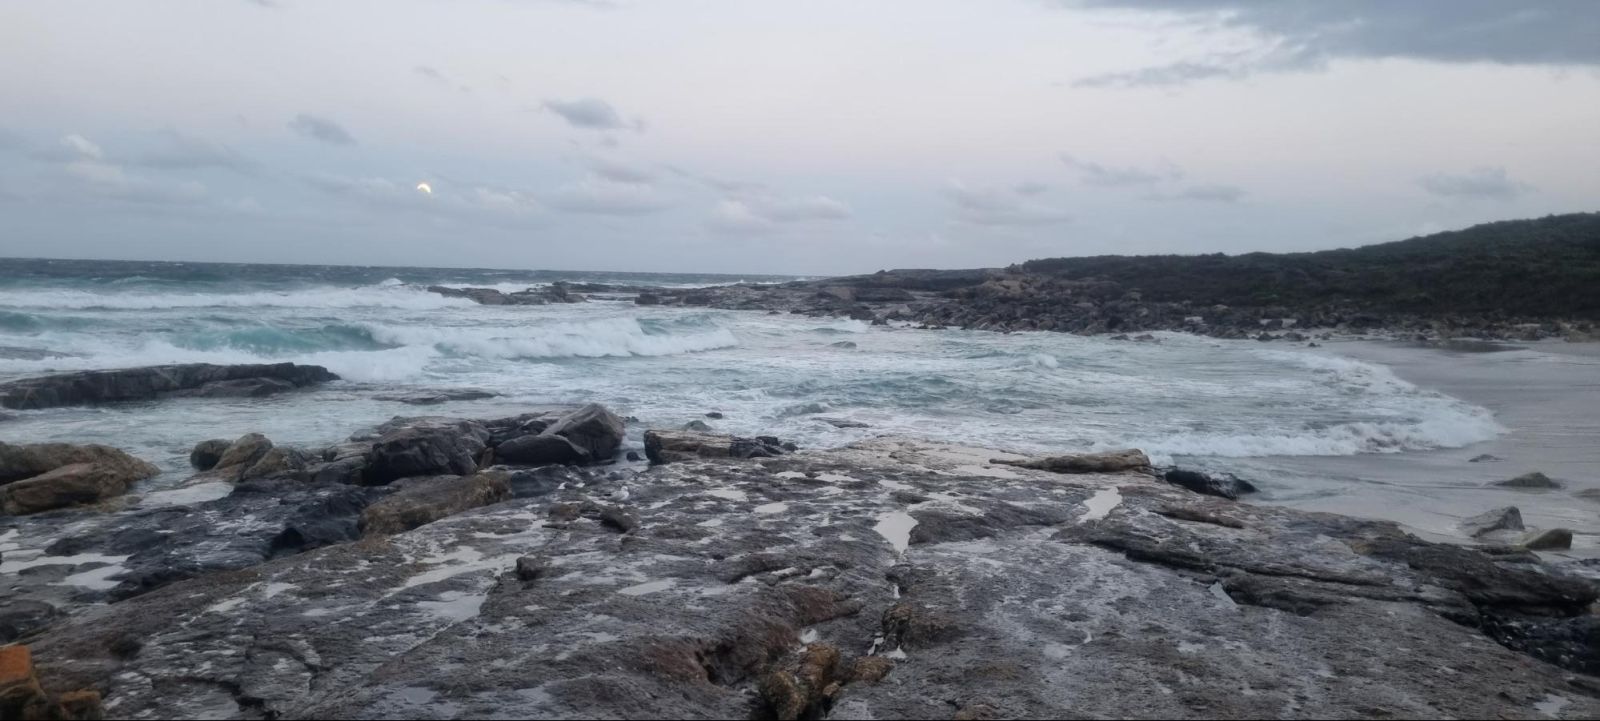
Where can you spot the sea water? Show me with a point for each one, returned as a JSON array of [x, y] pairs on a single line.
[[1183, 399]]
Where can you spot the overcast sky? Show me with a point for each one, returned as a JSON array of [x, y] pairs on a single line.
[[785, 137]]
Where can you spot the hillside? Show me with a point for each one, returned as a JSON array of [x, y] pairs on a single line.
[[1545, 267]]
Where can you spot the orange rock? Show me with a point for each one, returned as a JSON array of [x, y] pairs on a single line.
[[20, 694], [81, 706]]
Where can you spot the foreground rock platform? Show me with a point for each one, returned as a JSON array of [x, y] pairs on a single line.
[[152, 382], [890, 579]]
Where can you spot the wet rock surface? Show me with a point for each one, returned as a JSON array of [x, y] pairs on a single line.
[[889, 579], [45, 476], [152, 382]]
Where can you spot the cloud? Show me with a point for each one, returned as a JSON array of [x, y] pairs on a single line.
[[179, 151], [620, 172], [597, 195], [322, 129], [994, 207], [1029, 187], [1205, 194], [1107, 177], [86, 171], [470, 202], [1480, 182], [591, 114], [762, 212], [432, 74], [1307, 34]]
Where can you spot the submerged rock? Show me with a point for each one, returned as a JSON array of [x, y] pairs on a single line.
[[433, 398], [1131, 459], [666, 446], [151, 382], [1530, 480], [1224, 485], [207, 454], [1484, 458]]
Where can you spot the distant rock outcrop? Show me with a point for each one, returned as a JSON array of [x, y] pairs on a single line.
[[152, 382]]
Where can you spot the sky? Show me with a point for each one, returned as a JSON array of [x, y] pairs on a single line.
[[823, 137]]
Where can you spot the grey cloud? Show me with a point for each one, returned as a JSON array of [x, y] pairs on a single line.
[[763, 212], [84, 170], [472, 202], [322, 129], [1029, 187], [1205, 194], [620, 172], [991, 207], [430, 73], [1108, 177], [1481, 182], [596, 195], [1306, 34], [179, 151], [590, 114]]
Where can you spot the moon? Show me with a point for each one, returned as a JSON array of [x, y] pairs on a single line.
[[424, 188]]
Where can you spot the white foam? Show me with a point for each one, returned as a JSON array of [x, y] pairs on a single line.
[[380, 296], [605, 338]]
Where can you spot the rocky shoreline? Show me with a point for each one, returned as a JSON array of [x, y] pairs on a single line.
[[524, 567], [1015, 299]]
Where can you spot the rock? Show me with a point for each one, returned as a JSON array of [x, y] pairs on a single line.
[[18, 462], [846, 344], [21, 617], [1547, 540], [662, 446], [806, 688], [1530, 480], [530, 568], [151, 382], [634, 456], [647, 299], [843, 423], [425, 447], [1225, 485], [206, 454], [21, 697], [420, 501], [1499, 519], [592, 428], [1484, 458], [536, 450], [238, 388], [714, 415], [697, 426], [1131, 459], [243, 453], [47, 476], [433, 398], [278, 462]]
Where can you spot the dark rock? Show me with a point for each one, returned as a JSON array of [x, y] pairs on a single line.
[[647, 299], [592, 428], [1224, 485], [663, 446], [1484, 458], [714, 415], [847, 344], [279, 462], [634, 456], [420, 501], [698, 426], [1552, 539], [205, 455], [426, 447], [151, 382], [21, 617], [22, 461], [238, 388], [843, 423], [1130, 459], [534, 450], [1499, 519], [1530, 480], [530, 568], [242, 454]]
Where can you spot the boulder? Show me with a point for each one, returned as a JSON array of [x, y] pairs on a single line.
[[698, 426], [425, 447], [538, 450], [420, 501], [1499, 519], [666, 446], [279, 462], [60, 475], [1131, 459], [243, 453], [592, 428], [151, 382], [1547, 540], [1225, 485], [1530, 480], [206, 454], [1484, 458]]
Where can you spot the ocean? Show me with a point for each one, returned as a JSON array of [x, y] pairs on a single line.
[[1274, 412]]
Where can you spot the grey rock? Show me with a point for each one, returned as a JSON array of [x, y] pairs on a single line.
[[1499, 519], [152, 382], [425, 447], [843, 423], [1131, 459], [666, 446], [592, 428], [534, 450], [1484, 458], [437, 397], [1224, 485], [242, 454], [47, 476], [420, 501], [1547, 540], [698, 426]]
